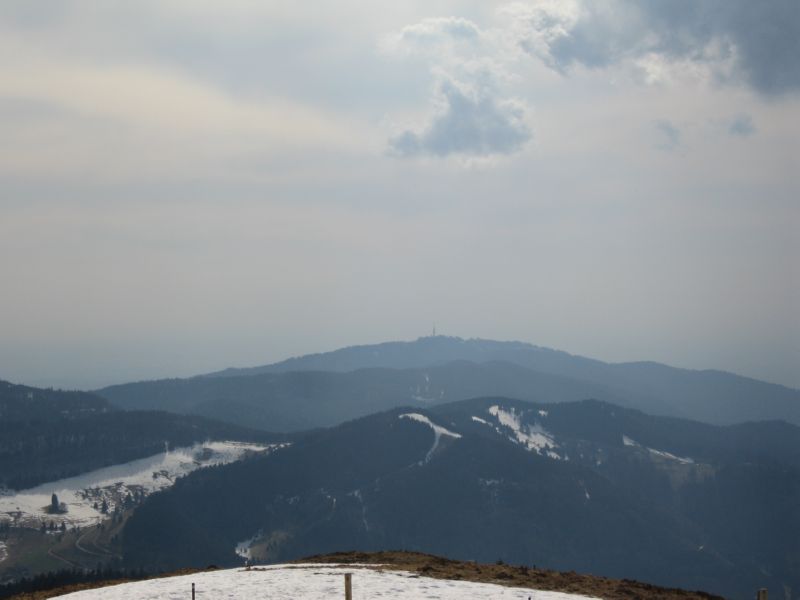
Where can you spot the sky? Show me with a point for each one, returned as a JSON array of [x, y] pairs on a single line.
[[187, 185]]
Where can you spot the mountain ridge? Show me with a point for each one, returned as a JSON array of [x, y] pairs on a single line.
[[707, 395], [351, 353], [594, 487], [300, 362]]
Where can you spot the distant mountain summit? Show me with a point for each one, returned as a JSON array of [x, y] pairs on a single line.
[[712, 396], [424, 352], [320, 390]]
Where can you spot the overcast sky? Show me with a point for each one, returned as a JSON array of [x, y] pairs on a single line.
[[193, 184]]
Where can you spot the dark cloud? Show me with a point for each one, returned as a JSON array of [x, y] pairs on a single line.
[[754, 41], [766, 35], [470, 123]]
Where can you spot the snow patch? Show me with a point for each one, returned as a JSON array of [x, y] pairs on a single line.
[[543, 413], [243, 548], [424, 393], [328, 497], [586, 493], [357, 495], [669, 456], [3, 551], [479, 420], [681, 459], [436, 428], [488, 482], [312, 581], [534, 437], [143, 476], [424, 399], [438, 432]]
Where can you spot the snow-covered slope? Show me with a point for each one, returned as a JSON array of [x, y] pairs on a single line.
[[83, 496], [438, 432], [531, 435], [284, 582]]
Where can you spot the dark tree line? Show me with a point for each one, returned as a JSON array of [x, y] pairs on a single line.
[[57, 579]]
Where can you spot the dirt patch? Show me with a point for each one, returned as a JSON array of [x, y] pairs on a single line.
[[514, 576]]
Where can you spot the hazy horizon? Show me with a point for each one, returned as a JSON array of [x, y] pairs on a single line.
[[189, 186]]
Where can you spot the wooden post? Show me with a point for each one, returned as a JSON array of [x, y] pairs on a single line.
[[192, 591], [762, 594], [348, 586]]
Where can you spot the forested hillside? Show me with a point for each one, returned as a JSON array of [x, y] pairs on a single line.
[[47, 435], [583, 486], [298, 400]]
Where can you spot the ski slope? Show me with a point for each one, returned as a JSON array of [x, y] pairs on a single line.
[[292, 582], [438, 432], [80, 494]]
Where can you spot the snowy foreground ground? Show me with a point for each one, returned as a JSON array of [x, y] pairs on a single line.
[[296, 582]]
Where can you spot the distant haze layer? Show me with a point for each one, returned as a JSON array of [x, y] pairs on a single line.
[[188, 186]]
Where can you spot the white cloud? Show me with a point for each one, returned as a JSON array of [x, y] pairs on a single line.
[[470, 122], [435, 31], [474, 114], [536, 27]]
